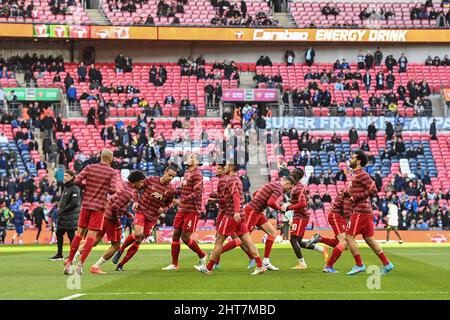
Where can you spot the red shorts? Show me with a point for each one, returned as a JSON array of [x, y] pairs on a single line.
[[219, 219], [112, 230], [228, 227], [298, 227], [253, 219], [140, 220], [337, 222], [91, 220], [185, 221], [361, 224]]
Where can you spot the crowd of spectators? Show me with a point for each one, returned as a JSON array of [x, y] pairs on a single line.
[[437, 62], [415, 95], [18, 9], [234, 14], [421, 12]]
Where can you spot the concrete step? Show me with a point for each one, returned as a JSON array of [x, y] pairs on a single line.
[[438, 105], [246, 80], [97, 17], [284, 20]]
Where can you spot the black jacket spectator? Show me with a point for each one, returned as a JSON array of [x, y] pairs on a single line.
[[69, 207]]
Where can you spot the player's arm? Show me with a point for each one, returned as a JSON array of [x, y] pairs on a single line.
[[120, 203], [302, 203], [113, 184], [273, 202], [80, 180], [236, 202], [369, 186], [197, 190], [168, 203]]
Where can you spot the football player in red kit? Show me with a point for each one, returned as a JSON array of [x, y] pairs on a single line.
[[189, 208], [157, 196], [361, 189], [300, 221], [265, 196], [338, 216], [232, 223], [97, 180], [116, 206]]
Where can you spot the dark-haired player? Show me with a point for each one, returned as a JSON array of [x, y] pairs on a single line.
[[232, 223], [157, 196], [265, 196], [361, 189], [97, 180], [116, 206], [189, 208], [338, 216], [300, 221]]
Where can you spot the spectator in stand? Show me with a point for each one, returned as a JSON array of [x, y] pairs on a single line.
[[433, 130], [372, 131], [72, 94], [378, 56], [402, 63], [353, 136], [309, 56], [289, 56], [81, 72]]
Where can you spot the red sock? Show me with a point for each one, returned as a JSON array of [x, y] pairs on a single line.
[[258, 262], [249, 254], [194, 247], [210, 265], [129, 240], [358, 260], [175, 252], [329, 242], [337, 251], [130, 253], [74, 246], [87, 248], [383, 258], [268, 247]]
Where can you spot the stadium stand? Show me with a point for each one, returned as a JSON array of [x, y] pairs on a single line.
[[43, 11], [199, 13], [410, 15]]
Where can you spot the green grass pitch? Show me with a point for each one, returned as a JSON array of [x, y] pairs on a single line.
[[422, 271]]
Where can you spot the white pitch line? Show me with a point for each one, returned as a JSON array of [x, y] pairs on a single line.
[[74, 296], [271, 293]]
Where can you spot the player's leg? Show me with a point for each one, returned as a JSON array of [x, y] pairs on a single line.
[[376, 248], [295, 243], [189, 226], [140, 233], [247, 241], [388, 233], [88, 245], [353, 247], [176, 237], [398, 234], [215, 255], [81, 232], [271, 235], [38, 234], [336, 254]]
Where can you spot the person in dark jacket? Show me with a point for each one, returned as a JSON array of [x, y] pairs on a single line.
[[433, 130], [38, 217], [68, 212], [389, 130]]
